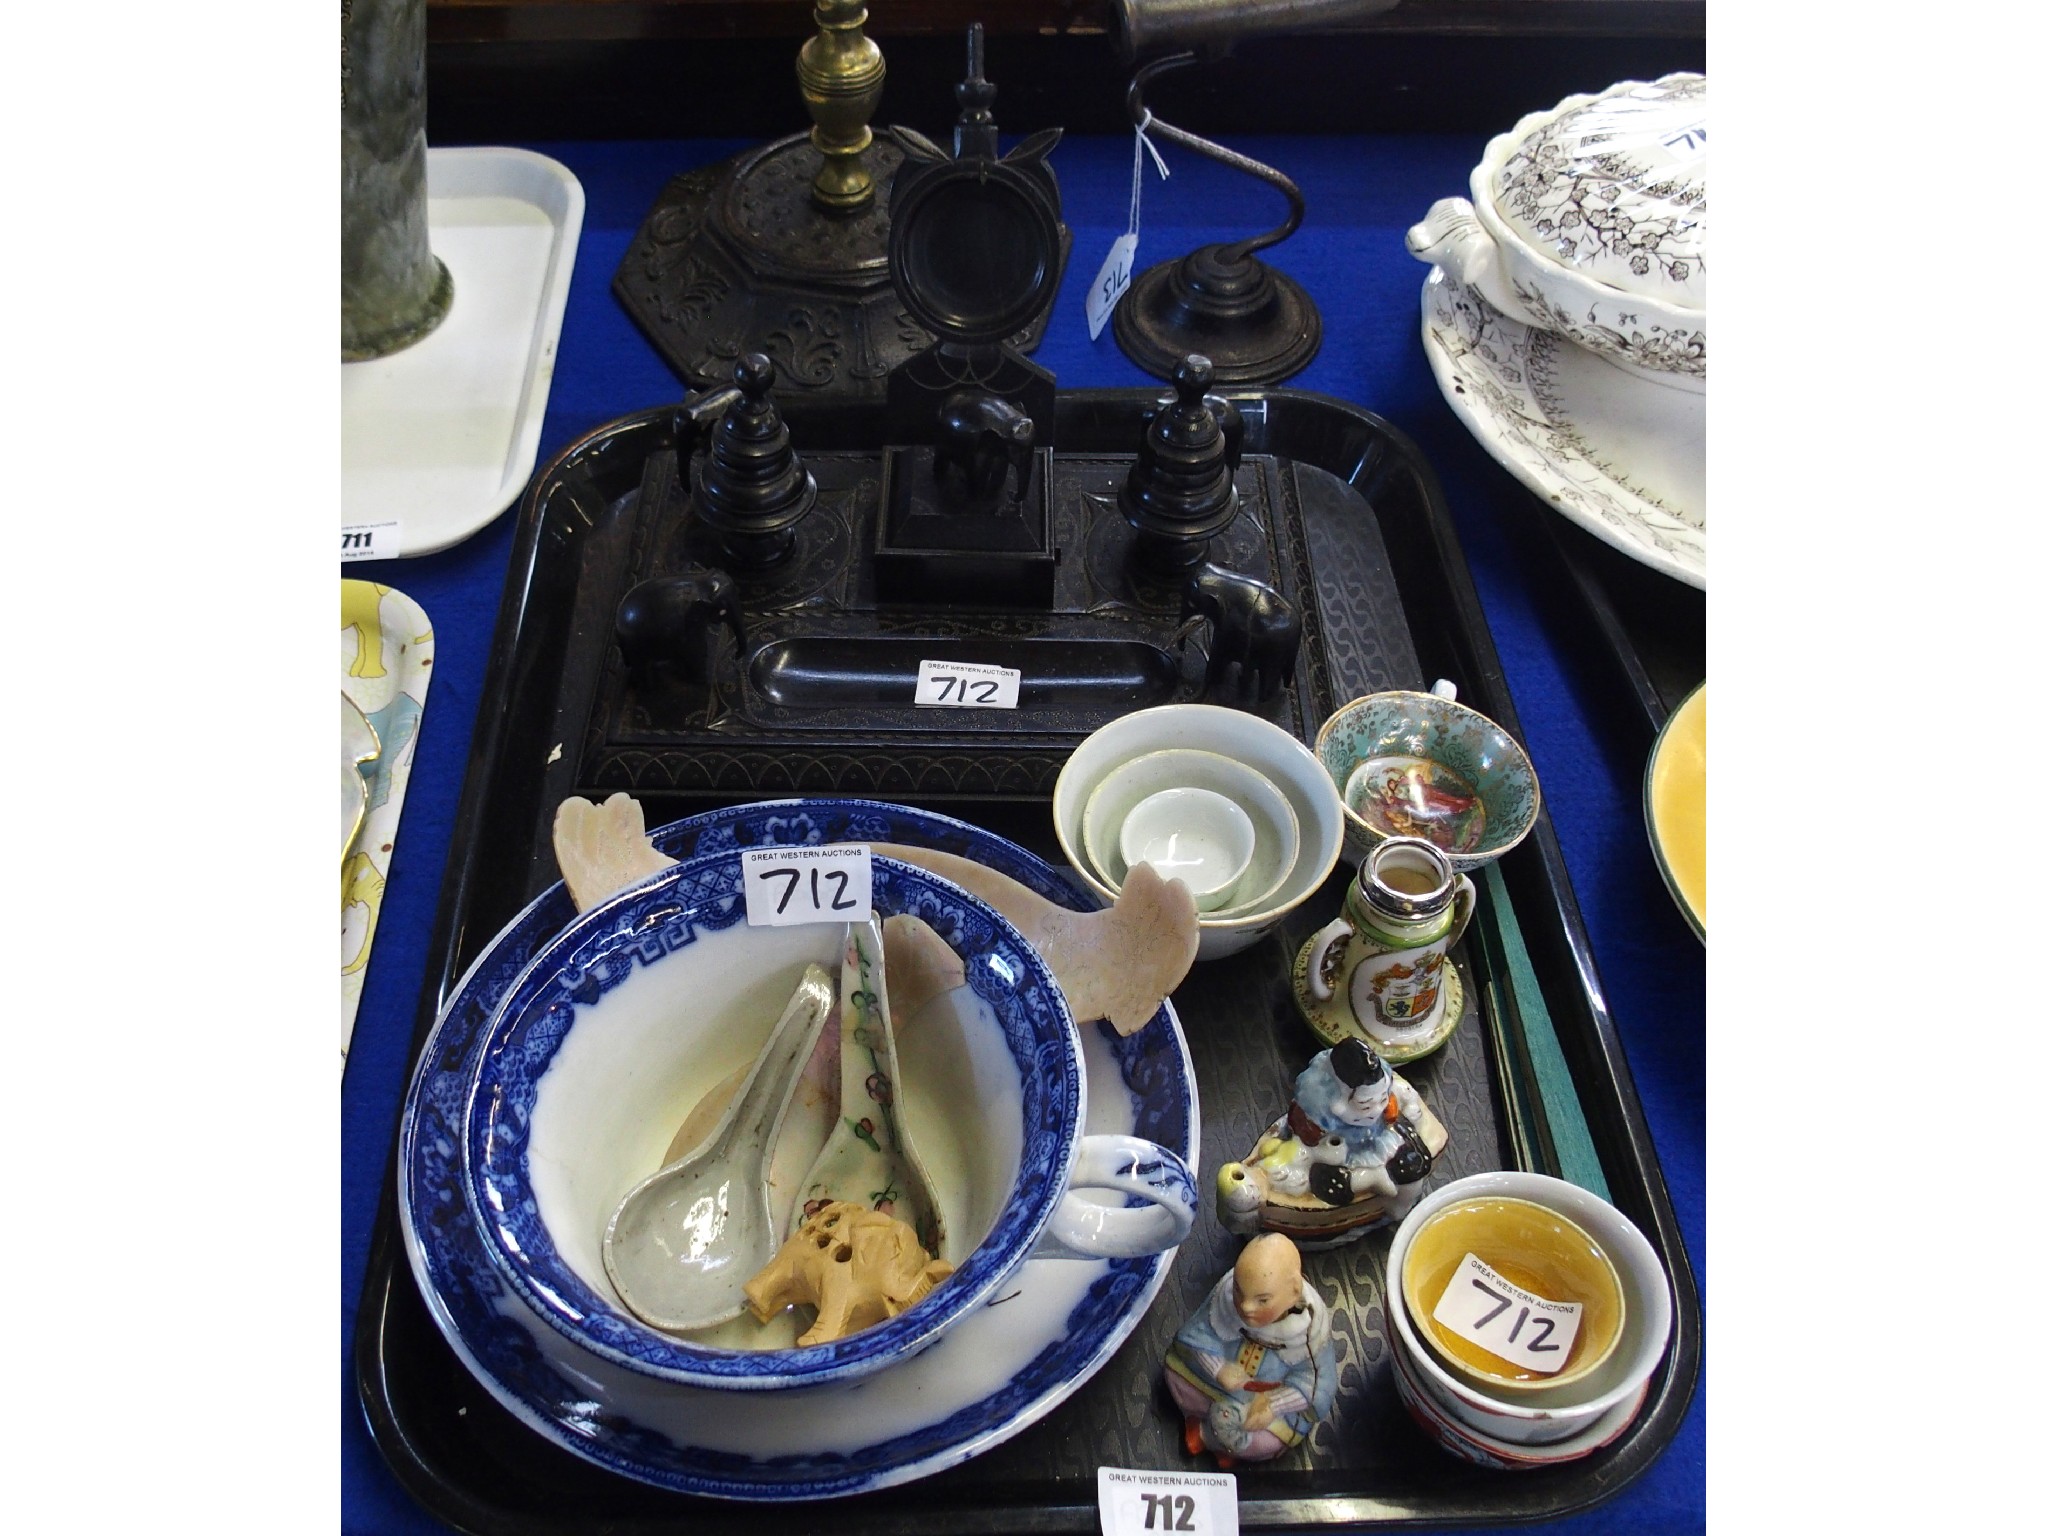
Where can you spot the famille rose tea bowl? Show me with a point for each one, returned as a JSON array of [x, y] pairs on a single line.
[[1498, 1425], [628, 1017], [1412, 764]]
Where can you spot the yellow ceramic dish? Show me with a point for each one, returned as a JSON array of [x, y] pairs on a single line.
[[1535, 1248], [359, 745], [1675, 803], [387, 658]]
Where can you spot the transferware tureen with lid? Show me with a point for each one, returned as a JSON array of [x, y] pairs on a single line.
[[1590, 220]]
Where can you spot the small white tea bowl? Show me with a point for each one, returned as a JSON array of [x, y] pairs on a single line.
[[1276, 828], [1229, 733], [622, 1022], [1192, 835], [1565, 1417]]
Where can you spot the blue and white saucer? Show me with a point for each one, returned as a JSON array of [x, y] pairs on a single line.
[[995, 1373]]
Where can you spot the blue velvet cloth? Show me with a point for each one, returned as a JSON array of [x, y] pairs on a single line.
[[1362, 194]]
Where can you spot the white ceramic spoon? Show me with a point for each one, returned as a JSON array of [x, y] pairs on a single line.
[[684, 1242]]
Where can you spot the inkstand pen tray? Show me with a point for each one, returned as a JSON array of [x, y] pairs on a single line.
[[1341, 516]]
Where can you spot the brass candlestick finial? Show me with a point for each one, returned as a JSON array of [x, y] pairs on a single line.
[[840, 73]]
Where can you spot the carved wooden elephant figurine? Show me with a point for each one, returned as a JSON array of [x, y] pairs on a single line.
[[856, 1266], [667, 621], [1251, 625], [985, 437]]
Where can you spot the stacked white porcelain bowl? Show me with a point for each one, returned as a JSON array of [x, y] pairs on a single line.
[[1229, 804]]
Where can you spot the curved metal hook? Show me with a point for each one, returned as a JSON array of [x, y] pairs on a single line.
[[1134, 100]]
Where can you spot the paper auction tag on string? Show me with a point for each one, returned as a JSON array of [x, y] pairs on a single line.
[[1135, 1503], [1115, 276], [1111, 282], [786, 886], [1521, 1327], [370, 541], [967, 685]]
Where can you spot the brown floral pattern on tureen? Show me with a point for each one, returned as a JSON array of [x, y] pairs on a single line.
[[1617, 189], [1501, 377], [1617, 329]]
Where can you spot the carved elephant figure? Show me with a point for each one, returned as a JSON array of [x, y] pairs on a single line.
[[856, 1266], [985, 437], [667, 622], [1251, 625]]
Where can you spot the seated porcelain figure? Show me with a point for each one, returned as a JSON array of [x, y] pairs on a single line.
[[1350, 1153], [1254, 1369]]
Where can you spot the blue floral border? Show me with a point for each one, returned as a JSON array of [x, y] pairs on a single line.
[[467, 1296]]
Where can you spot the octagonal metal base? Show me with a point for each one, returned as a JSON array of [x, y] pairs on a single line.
[[736, 257]]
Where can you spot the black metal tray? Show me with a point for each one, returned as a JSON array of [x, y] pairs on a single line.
[[1399, 608], [1650, 629]]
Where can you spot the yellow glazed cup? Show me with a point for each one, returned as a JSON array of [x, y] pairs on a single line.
[[1537, 1249]]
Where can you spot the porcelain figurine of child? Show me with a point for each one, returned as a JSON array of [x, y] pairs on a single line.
[[1253, 1369], [1350, 1153]]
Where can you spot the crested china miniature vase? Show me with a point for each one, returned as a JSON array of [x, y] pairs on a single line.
[[1382, 969]]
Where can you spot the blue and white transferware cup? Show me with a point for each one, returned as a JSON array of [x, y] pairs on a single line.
[[621, 1022]]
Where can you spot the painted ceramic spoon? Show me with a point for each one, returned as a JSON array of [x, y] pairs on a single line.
[[683, 1243], [867, 1159], [921, 966]]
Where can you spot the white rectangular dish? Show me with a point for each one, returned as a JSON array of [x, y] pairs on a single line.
[[441, 437]]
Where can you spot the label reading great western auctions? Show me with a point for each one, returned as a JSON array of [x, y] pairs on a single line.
[[1154, 1503], [370, 541], [786, 886], [967, 685], [1500, 1317]]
